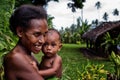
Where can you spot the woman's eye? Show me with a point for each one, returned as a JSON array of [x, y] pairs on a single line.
[[37, 34], [44, 35]]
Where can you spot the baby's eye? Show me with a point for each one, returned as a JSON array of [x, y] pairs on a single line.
[[53, 44], [45, 44]]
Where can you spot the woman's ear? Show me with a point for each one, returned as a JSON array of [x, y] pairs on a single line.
[[19, 31]]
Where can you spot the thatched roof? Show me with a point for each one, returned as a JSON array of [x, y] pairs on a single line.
[[93, 34]]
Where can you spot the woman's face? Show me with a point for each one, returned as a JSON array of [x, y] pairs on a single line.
[[33, 38]]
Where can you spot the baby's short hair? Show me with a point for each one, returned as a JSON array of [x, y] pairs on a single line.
[[56, 31]]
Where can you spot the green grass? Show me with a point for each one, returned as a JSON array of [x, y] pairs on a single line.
[[74, 61]]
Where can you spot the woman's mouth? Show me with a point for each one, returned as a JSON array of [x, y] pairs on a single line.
[[37, 48]]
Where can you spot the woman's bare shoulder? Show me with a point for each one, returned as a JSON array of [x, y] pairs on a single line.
[[14, 58]]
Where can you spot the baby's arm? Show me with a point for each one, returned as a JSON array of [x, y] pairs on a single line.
[[52, 71]]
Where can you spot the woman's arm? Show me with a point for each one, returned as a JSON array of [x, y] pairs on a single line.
[[22, 69]]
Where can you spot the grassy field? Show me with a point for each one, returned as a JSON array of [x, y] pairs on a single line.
[[74, 61]]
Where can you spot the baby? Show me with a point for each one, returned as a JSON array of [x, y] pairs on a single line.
[[51, 64]]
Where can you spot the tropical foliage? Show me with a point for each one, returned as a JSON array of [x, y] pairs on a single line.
[[98, 6], [116, 12], [75, 32], [7, 40], [105, 16], [116, 60], [35, 2], [75, 4], [110, 43], [93, 72]]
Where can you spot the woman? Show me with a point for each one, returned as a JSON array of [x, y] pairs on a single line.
[[29, 23]]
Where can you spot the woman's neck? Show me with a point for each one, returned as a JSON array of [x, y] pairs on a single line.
[[23, 48]]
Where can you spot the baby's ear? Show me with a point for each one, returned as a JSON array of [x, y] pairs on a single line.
[[60, 46], [19, 31]]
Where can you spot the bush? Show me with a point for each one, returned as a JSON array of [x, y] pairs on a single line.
[[7, 40]]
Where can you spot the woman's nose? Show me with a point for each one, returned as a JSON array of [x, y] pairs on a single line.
[[41, 39]]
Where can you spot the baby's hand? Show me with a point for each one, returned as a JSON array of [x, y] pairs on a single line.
[[33, 63]]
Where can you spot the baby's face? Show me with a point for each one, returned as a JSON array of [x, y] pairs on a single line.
[[52, 44]]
